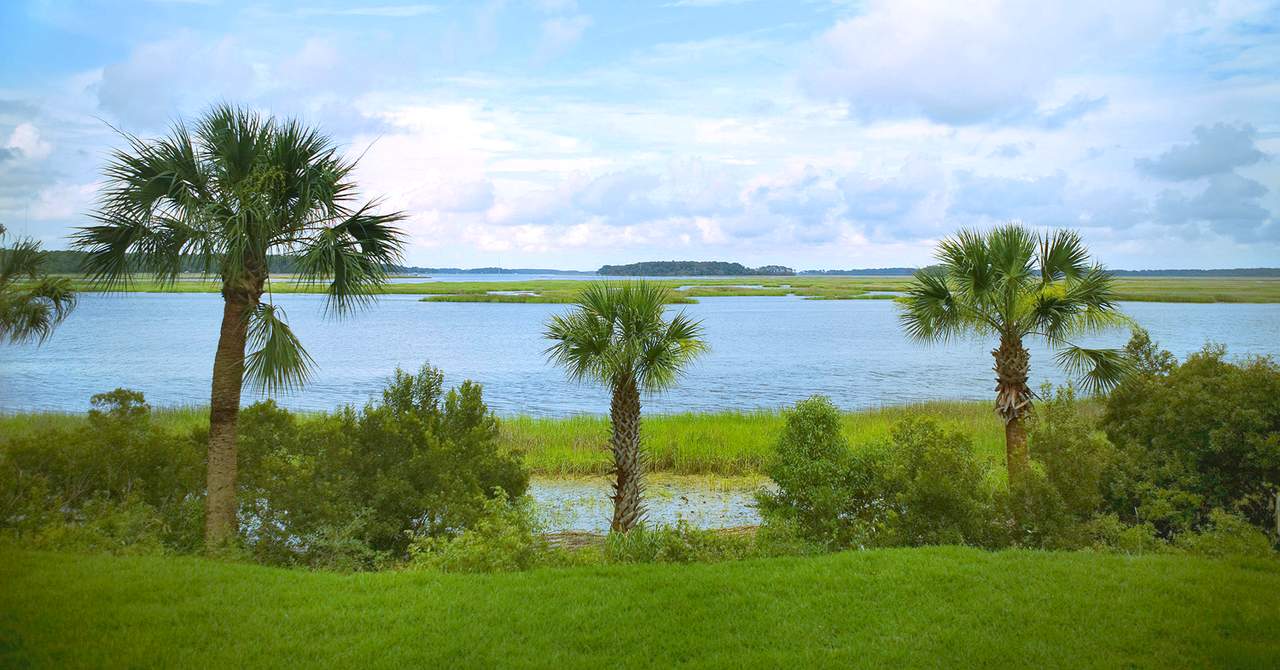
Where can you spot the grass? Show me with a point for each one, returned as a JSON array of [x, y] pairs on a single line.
[[1143, 289], [723, 444], [935, 607]]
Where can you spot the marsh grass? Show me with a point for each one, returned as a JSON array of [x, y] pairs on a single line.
[[721, 443], [1139, 289]]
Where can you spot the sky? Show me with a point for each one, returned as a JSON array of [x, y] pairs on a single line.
[[571, 134]]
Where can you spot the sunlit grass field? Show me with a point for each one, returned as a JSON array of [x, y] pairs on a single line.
[[1145, 289], [723, 443], [930, 607]]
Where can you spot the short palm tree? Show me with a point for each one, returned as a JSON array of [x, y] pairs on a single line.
[[31, 302], [228, 193], [1010, 284], [617, 335]]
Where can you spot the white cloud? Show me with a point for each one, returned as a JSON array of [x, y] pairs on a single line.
[[1216, 149], [975, 61], [25, 139]]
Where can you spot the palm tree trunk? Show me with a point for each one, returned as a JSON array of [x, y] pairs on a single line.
[[628, 468], [220, 524], [1013, 402]]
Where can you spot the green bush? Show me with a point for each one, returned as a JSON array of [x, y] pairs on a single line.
[[101, 525], [1226, 534], [117, 465], [340, 491], [938, 486], [505, 538], [825, 493], [421, 463], [1193, 437], [925, 485], [681, 543], [1107, 532]]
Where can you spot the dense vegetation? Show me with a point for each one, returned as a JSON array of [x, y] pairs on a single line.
[[349, 490], [232, 190], [691, 269], [427, 477]]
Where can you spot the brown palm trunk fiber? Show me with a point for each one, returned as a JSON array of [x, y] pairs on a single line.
[[1013, 402], [220, 525], [628, 468]]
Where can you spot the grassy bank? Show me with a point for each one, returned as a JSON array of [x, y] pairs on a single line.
[[936, 607], [727, 443], [1160, 289]]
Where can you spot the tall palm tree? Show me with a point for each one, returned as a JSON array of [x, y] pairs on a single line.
[[31, 302], [1010, 284], [228, 192], [617, 335]]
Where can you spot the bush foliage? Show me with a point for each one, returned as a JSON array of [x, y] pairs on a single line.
[[346, 490]]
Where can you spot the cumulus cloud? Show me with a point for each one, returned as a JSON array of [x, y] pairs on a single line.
[[24, 141], [963, 63], [1047, 200], [1229, 205], [1217, 149]]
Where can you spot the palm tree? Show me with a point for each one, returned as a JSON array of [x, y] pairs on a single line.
[[31, 303], [617, 336], [227, 193], [1011, 283]]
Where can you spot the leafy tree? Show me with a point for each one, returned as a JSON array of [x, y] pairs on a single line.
[[31, 303], [1011, 283], [231, 191], [618, 336], [1195, 436]]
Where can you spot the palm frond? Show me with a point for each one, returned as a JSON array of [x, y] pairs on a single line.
[[1096, 370], [1062, 256], [276, 361], [618, 331]]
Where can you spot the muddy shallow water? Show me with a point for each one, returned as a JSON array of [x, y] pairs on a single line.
[[582, 503]]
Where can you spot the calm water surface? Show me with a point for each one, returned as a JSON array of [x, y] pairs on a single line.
[[766, 352]]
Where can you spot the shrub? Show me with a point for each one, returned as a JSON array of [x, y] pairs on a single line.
[[115, 463], [505, 538], [938, 486], [1226, 534], [1108, 533], [420, 463], [128, 527], [926, 485], [825, 493], [340, 491], [1193, 437], [681, 543]]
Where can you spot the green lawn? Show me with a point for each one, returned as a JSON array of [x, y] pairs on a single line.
[[936, 607], [1158, 289]]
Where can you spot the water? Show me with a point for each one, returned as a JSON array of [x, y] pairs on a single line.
[[767, 352], [583, 503]]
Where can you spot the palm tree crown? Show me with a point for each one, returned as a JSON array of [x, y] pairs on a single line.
[[230, 192], [618, 332], [31, 303], [1011, 283]]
